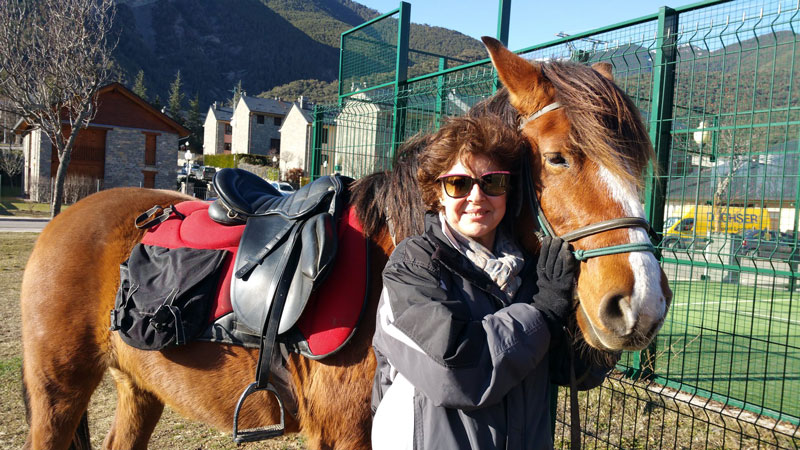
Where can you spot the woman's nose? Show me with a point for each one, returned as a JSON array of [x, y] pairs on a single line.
[[475, 193]]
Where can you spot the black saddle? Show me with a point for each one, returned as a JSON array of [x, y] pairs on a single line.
[[286, 250]]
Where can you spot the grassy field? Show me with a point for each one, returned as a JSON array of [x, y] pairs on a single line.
[[740, 342], [14, 207]]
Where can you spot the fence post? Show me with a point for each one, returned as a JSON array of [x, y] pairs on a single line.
[[503, 21], [400, 77], [441, 96], [660, 127], [316, 143]]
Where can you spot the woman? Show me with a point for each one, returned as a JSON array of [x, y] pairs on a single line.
[[466, 319]]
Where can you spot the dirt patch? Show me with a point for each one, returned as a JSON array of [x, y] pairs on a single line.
[[172, 432]]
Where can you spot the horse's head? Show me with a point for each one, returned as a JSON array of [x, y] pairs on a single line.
[[590, 149]]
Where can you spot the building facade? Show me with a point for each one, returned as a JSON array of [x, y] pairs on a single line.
[[128, 143], [256, 124], [217, 130]]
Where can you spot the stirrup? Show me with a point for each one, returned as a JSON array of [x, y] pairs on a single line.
[[260, 433]]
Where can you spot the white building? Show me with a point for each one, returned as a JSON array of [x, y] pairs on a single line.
[[217, 130]]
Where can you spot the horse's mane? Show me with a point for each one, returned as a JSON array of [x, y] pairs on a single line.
[[606, 125]]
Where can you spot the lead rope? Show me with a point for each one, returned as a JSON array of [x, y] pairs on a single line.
[[574, 413]]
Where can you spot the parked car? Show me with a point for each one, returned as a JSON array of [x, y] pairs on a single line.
[[208, 173], [197, 171], [769, 244], [283, 187]]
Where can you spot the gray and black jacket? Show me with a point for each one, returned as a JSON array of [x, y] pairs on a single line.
[[458, 366]]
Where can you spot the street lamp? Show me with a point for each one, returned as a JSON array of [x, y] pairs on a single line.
[[188, 157]]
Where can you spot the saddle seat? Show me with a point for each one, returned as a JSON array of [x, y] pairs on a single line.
[[243, 194]]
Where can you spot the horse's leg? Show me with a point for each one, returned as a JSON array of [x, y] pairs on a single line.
[[58, 389], [138, 412]]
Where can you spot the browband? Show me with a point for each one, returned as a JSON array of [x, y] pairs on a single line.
[[534, 116]]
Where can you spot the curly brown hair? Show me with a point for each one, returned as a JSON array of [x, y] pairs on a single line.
[[462, 139]]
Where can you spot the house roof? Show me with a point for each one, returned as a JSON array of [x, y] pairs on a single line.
[[267, 105], [23, 125], [223, 113]]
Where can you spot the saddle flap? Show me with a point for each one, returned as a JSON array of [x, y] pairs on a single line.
[[252, 293]]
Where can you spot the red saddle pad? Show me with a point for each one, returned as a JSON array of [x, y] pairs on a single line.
[[332, 312]]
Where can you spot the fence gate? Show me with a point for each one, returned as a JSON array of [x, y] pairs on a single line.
[[718, 84]]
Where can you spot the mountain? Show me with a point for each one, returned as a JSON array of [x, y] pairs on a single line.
[[264, 43]]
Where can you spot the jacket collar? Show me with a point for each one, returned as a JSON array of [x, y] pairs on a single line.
[[453, 260]]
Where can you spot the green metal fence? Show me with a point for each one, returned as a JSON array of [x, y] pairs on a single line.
[[718, 84]]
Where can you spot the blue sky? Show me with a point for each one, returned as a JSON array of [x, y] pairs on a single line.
[[532, 22]]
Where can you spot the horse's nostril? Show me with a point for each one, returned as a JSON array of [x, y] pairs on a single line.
[[616, 314]]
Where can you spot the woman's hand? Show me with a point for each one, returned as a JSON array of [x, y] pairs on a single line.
[[556, 270]]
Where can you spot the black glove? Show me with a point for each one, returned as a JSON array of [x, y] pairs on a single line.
[[556, 269]]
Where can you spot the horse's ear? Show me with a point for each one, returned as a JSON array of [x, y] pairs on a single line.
[[518, 75], [605, 69]]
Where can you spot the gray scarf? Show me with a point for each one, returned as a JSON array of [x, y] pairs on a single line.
[[502, 269]]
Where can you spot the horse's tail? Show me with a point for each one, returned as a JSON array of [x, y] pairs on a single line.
[[80, 440]]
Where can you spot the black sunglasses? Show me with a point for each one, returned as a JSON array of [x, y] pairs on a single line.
[[492, 184]]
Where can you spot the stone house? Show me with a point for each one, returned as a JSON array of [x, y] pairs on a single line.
[[296, 138], [128, 143], [217, 130], [255, 125]]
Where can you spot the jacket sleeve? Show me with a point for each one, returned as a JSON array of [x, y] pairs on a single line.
[[455, 361]]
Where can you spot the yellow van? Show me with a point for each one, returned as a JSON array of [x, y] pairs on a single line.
[[695, 225]]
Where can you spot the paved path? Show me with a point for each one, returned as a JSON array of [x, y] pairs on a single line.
[[22, 224]]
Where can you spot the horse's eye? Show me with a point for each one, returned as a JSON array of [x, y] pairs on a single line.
[[556, 159]]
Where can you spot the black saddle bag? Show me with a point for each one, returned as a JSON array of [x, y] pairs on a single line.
[[165, 295]]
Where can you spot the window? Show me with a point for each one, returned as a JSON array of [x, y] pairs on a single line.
[[228, 128], [277, 121], [259, 118], [324, 135], [275, 144], [149, 149], [227, 147]]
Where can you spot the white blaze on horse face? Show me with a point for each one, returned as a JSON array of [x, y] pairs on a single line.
[[647, 299]]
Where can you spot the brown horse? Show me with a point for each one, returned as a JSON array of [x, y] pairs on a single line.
[[587, 157]]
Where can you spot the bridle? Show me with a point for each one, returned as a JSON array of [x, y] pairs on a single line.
[[546, 229]]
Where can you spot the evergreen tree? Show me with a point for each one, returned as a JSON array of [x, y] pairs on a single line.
[[139, 87], [194, 125], [157, 103], [174, 106], [237, 92]]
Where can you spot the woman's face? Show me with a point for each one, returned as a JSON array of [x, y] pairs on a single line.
[[476, 215]]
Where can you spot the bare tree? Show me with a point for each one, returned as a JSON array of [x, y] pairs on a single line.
[[11, 162], [55, 55]]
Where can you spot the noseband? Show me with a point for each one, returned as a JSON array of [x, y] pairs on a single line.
[[613, 224]]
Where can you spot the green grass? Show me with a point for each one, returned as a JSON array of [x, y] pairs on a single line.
[[740, 343], [15, 207]]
